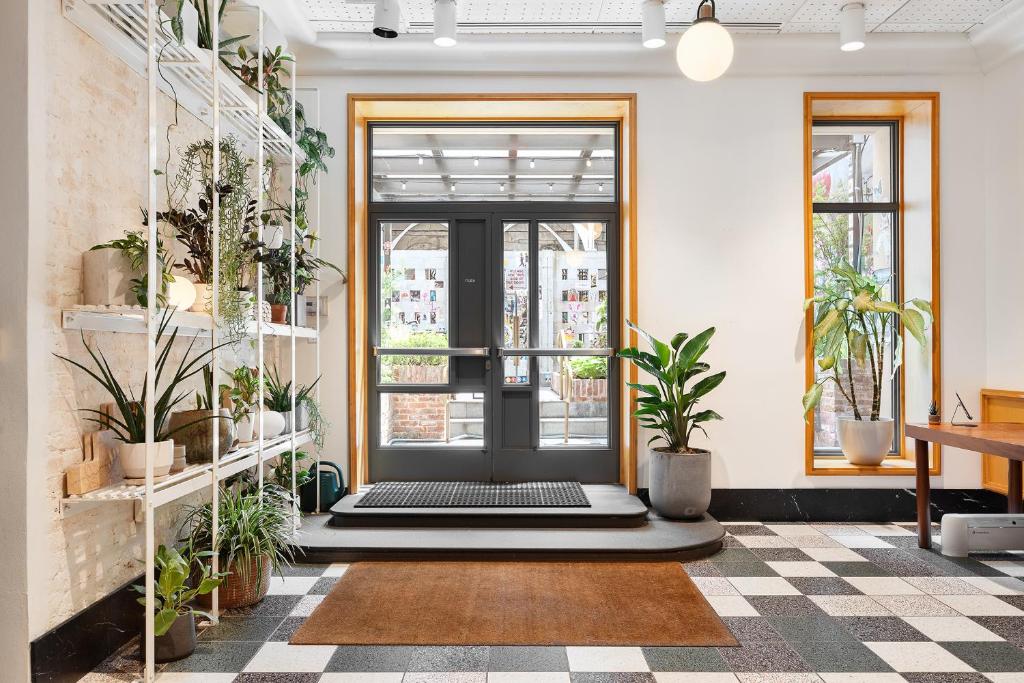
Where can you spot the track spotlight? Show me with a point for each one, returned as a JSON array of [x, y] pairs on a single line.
[[386, 17], [851, 27], [653, 33], [445, 22]]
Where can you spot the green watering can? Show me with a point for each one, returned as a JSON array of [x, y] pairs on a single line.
[[332, 487]]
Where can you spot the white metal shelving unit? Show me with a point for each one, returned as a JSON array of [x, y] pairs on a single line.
[[138, 33]]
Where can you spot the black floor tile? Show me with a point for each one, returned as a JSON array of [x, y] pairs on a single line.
[[213, 657], [684, 659], [442, 658], [747, 629], [856, 569], [636, 677], [304, 569], [1011, 628], [270, 606], [929, 677], [819, 627], [823, 585], [763, 657], [287, 628], [749, 530], [784, 606], [371, 658], [745, 569], [881, 629], [277, 678], [252, 629], [324, 585], [504, 658], [781, 555], [701, 568], [733, 555], [824, 656], [989, 657]]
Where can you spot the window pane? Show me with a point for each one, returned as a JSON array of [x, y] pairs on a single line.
[[516, 314], [493, 163], [413, 369], [574, 401], [852, 163], [572, 309], [431, 419], [834, 238]]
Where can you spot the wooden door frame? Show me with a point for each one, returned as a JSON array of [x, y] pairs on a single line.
[[366, 108]]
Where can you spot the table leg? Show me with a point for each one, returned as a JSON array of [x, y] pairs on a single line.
[[1013, 487], [924, 513]]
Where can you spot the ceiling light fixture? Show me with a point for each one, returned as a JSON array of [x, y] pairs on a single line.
[[705, 51], [419, 160], [453, 187], [600, 187], [445, 23], [851, 27], [403, 184], [501, 187], [533, 163], [551, 187], [653, 32], [589, 162], [386, 17], [476, 162]]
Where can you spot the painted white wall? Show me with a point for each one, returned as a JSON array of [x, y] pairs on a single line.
[[1004, 162], [721, 243]]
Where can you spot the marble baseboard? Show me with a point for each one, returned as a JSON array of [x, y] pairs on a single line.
[[71, 650]]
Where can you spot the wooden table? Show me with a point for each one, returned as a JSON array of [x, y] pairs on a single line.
[[1005, 440]]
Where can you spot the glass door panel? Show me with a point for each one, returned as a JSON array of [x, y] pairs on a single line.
[[516, 300]]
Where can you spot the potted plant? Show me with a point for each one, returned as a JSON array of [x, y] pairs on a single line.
[[933, 414], [116, 269], [174, 622], [280, 475], [278, 397], [127, 421], [680, 475], [196, 433], [244, 395], [205, 29], [184, 20], [854, 325], [253, 539]]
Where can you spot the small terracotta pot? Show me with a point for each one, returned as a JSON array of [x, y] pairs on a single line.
[[247, 584], [279, 313]]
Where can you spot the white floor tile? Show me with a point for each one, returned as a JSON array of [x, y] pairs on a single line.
[[951, 629], [379, 677], [885, 530], [184, 677], [765, 541], [793, 529], [780, 677], [862, 678], [800, 569], [446, 677], [1006, 677], [278, 657], [980, 605], [714, 585], [839, 530], [838, 554], [882, 585], [694, 677], [815, 541], [912, 657], [942, 585], [865, 541], [915, 606], [849, 606], [527, 677], [996, 585], [606, 659], [731, 606], [306, 605], [291, 585], [1009, 567], [336, 569], [763, 585]]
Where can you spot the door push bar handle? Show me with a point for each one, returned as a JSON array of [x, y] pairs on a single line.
[[481, 352], [556, 352]]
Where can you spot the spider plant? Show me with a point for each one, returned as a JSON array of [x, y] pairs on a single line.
[[128, 421], [278, 394]]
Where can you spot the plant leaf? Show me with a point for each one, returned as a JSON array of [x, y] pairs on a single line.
[[163, 621], [914, 322], [812, 398]]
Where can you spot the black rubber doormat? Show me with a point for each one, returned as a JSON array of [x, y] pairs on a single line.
[[475, 494]]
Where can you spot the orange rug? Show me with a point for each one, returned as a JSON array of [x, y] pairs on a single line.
[[514, 603]]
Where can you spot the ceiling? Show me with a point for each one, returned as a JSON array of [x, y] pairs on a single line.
[[623, 16]]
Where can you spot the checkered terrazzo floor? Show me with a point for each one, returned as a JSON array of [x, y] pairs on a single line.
[[808, 602]]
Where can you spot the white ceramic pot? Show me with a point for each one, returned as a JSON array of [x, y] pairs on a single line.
[[107, 278], [179, 459], [865, 442], [181, 294], [244, 428], [273, 235], [273, 423], [202, 303], [133, 459]]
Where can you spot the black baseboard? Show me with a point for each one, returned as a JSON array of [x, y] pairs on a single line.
[[68, 652], [842, 505]]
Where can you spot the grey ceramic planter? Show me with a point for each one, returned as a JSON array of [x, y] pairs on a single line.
[[179, 641], [680, 483]]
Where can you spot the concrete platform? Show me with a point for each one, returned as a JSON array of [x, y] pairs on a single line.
[[610, 507], [659, 539]]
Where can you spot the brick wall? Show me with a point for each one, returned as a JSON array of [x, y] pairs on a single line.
[[414, 416], [834, 405]]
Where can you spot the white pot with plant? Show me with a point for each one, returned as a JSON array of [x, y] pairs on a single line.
[[184, 20], [174, 622], [855, 326], [680, 475], [127, 419], [114, 273], [244, 395]]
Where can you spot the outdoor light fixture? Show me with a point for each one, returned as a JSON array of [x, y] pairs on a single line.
[[386, 17], [533, 163], [419, 160], [501, 187], [851, 27], [445, 23], [453, 187], [403, 184], [653, 12], [551, 187], [476, 162], [705, 51], [589, 162], [600, 187]]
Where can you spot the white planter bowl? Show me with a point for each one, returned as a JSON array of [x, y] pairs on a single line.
[[133, 458], [273, 424], [865, 442], [273, 236], [202, 302], [244, 429]]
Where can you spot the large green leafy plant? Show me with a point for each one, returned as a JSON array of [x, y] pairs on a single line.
[[171, 590], [669, 406], [854, 324]]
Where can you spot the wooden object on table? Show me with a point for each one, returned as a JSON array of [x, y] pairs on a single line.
[[94, 471], [999, 405], [1004, 440]]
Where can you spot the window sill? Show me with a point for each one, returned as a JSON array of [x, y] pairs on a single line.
[[840, 467]]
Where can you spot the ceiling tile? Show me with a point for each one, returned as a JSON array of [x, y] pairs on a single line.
[[947, 12], [894, 27], [827, 11]]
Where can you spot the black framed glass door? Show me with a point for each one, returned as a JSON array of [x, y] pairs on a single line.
[[493, 318]]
